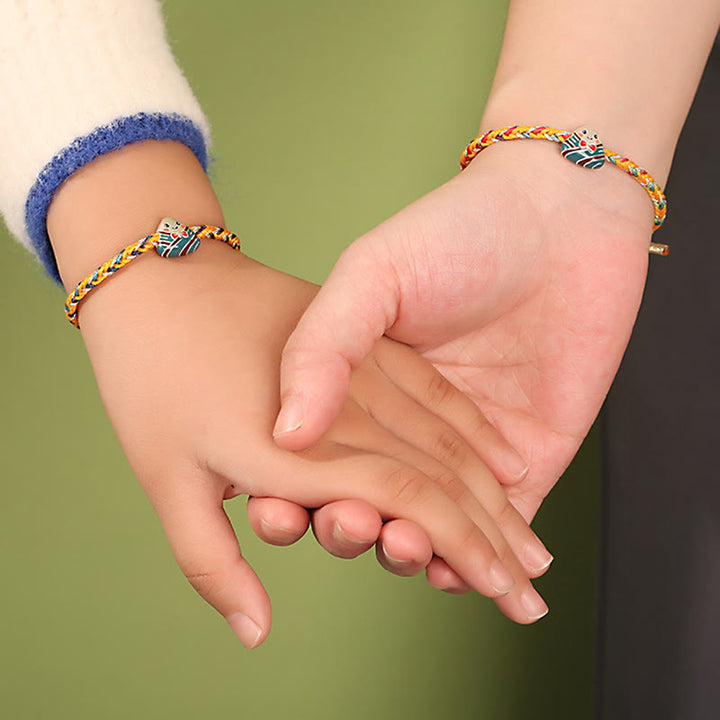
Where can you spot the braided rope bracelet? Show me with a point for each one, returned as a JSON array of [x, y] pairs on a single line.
[[171, 239], [584, 148]]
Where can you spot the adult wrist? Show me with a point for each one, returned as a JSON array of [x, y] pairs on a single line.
[[525, 100], [557, 188], [628, 70]]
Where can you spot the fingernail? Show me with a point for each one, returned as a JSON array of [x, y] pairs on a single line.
[[500, 578], [534, 605], [343, 538], [290, 417], [396, 561], [278, 533], [535, 556], [515, 466], [246, 629]]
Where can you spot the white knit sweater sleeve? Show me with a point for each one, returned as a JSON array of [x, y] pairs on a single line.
[[79, 78]]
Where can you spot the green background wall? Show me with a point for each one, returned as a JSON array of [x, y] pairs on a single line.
[[327, 118]]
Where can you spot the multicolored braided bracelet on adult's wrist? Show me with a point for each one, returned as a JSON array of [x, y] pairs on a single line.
[[171, 239], [582, 147]]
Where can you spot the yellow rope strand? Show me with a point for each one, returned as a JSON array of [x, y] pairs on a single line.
[[127, 255], [541, 132]]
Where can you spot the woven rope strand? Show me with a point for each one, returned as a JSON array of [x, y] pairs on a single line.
[[127, 255], [542, 132], [646, 180]]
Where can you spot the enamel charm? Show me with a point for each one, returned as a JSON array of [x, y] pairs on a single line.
[[584, 148], [175, 239]]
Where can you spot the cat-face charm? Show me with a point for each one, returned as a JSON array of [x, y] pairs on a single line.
[[175, 239], [584, 148]]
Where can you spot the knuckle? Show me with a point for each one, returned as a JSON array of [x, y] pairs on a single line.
[[453, 487], [406, 486], [451, 449], [480, 426], [472, 537], [439, 390], [505, 513], [507, 557], [206, 584]]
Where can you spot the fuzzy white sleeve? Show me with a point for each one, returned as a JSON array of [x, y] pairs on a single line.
[[79, 78]]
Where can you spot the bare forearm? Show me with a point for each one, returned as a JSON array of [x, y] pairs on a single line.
[[628, 69]]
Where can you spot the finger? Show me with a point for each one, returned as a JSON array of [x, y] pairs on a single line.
[[347, 528], [436, 439], [403, 548], [503, 574], [204, 544], [277, 521], [423, 383], [526, 502], [441, 576], [339, 328], [526, 606], [522, 602], [398, 490]]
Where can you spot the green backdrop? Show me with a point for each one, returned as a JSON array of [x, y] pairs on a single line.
[[327, 118]]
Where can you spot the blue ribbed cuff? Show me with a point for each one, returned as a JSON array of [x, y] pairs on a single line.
[[123, 131]]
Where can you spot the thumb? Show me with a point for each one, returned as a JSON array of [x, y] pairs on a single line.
[[205, 546], [355, 306]]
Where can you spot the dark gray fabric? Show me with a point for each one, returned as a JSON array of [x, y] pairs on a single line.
[[659, 630]]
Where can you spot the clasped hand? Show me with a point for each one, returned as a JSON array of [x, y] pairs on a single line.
[[518, 281], [187, 359]]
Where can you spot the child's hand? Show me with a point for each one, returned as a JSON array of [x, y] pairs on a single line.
[[186, 355]]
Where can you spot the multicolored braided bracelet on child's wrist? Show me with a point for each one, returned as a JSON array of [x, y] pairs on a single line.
[[584, 148], [171, 239]]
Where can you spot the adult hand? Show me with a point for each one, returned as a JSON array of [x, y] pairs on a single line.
[[519, 279], [191, 390]]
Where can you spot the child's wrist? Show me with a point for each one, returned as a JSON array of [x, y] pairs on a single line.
[[120, 197]]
